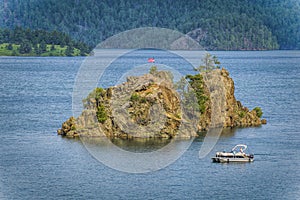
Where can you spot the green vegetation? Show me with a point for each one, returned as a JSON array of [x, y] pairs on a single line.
[[26, 42], [96, 100], [136, 98], [96, 94], [217, 25], [197, 83], [258, 111], [153, 70], [73, 127], [209, 63], [50, 51], [242, 113], [101, 113]]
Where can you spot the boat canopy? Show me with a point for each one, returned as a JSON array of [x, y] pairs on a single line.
[[239, 147]]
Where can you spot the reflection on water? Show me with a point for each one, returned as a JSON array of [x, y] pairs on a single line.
[[136, 145], [225, 133], [228, 132], [162, 154], [140, 145]]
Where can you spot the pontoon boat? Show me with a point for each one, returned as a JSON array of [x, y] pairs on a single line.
[[237, 154]]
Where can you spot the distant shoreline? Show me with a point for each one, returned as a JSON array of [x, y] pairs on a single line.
[[48, 50], [77, 52]]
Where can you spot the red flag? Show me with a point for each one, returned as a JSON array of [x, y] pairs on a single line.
[[151, 60]]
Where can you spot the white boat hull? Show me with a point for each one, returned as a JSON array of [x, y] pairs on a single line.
[[227, 160], [233, 155]]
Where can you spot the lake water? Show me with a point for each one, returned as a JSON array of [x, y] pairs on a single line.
[[35, 163]]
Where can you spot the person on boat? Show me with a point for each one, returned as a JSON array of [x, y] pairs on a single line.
[[241, 150]]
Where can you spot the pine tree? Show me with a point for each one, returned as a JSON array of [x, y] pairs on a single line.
[[69, 51], [53, 47], [25, 47], [43, 47], [9, 47], [209, 63]]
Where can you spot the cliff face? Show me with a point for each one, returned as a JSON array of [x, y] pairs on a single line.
[[149, 106], [226, 110]]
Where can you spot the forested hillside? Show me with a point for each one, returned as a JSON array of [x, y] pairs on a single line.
[[27, 42], [216, 24]]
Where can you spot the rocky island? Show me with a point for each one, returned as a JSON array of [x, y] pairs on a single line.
[[152, 106]]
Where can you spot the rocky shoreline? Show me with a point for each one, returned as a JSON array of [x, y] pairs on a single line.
[[150, 106]]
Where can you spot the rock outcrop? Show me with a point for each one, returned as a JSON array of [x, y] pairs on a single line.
[[226, 110], [149, 106]]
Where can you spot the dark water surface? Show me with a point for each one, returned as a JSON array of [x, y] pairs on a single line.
[[35, 163]]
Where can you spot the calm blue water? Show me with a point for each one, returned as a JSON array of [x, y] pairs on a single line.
[[35, 163]]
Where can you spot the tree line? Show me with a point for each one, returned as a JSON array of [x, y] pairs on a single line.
[[216, 25], [37, 42]]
